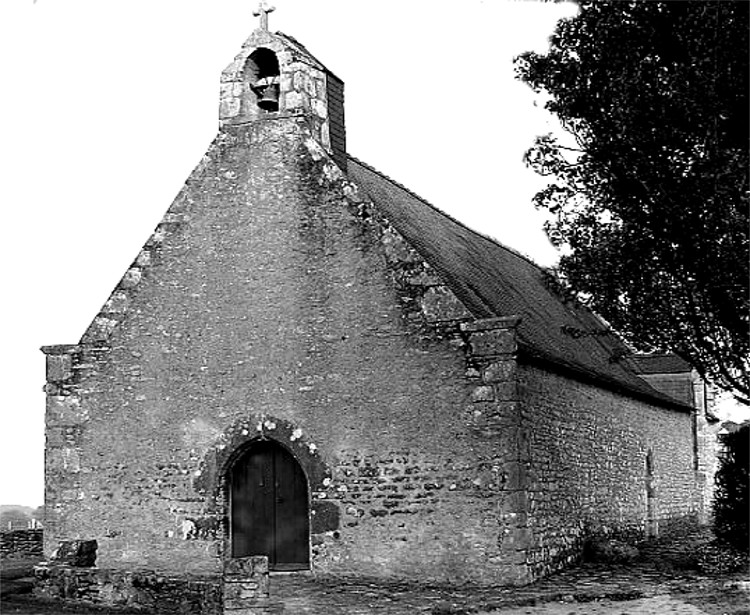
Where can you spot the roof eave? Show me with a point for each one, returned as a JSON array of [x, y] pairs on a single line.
[[534, 357]]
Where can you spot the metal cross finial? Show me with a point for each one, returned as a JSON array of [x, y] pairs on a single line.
[[263, 10]]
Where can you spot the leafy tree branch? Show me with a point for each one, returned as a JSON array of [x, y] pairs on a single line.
[[651, 205]]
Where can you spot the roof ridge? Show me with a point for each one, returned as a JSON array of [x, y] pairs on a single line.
[[451, 218], [301, 46]]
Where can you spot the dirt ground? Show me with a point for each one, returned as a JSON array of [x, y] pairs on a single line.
[[643, 588], [721, 603]]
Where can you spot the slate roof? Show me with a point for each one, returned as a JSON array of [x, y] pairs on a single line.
[[665, 363], [289, 39], [492, 281]]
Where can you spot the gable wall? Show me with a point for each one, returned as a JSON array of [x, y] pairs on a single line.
[[270, 309], [678, 386], [587, 452]]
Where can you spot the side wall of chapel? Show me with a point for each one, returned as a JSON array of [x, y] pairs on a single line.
[[588, 472]]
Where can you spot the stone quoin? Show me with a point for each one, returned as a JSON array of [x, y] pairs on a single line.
[[308, 367]]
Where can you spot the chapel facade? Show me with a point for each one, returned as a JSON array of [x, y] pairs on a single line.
[[308, 362]]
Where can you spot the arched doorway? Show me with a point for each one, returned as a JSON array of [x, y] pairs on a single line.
[[269, 507]]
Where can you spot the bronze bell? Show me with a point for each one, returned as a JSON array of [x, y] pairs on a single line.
[[269, 99]]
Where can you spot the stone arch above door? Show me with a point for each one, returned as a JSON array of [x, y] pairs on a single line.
[[209, 479]]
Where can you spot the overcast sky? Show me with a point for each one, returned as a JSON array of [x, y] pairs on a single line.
[[107, 106]]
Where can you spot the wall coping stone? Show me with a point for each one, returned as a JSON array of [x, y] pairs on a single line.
[[60, 349]]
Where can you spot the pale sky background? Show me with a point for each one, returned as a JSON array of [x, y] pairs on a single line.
[[108, 105]]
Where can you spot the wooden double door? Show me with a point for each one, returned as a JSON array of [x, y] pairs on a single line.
[[269, 507]]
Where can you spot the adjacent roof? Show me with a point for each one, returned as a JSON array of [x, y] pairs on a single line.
[[289, 39], [666, 363], [492, 281]]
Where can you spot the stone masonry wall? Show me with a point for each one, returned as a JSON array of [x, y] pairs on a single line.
[[689, 388], [588, 472], [707, 446], [21, 544], [273, 301], [134, 589]]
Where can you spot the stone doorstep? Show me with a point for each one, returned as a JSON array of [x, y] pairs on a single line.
[[245, 583], [237, 595], [250, 609], [246, 567], [241, 586], [233, 606], [246, 597]]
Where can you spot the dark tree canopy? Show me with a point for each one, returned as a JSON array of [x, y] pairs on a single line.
[[650, 200], [732, 499]]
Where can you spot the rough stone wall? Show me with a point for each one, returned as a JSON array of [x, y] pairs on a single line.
[[587, 465], [21, 544], [707, 445], [272, 300], [246, 586], [134, 589], [689, 388]]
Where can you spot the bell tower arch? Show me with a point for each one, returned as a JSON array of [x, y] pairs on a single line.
[[275, 76], [261, 76]]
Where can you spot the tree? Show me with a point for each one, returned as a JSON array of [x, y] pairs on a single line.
[[732, 500], [649, 200]]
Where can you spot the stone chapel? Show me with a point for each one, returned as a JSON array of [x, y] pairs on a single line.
[[308, 362]]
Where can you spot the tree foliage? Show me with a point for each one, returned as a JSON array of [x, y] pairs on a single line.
[[732, 499], [650, 200]]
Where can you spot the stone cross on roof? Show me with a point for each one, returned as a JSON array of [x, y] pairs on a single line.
[[263, 10]]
